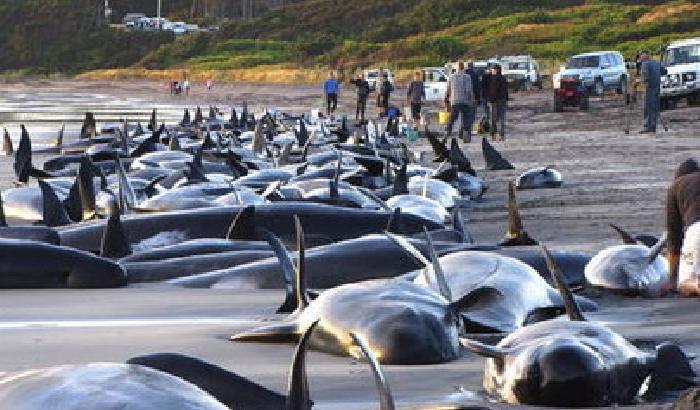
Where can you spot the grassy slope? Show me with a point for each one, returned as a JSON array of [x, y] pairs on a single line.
[[404, 34]]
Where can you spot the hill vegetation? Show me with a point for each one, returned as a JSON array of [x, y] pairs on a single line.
[[49, 36], [413, 33], [315, 34]]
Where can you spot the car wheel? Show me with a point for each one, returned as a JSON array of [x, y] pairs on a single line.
[[583, 103], [693, 99], [598, 87], [558, 104]]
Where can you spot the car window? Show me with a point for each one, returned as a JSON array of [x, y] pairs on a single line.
[[584, 62]]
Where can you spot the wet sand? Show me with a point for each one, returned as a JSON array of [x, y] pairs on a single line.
[[609, 177]]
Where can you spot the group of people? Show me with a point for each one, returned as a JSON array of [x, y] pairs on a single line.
[[331, 90], [183, 87], [178, 88], [467, 90]]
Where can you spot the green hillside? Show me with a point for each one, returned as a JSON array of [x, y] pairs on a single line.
[[70, 36], [49, 36], [412, 33]]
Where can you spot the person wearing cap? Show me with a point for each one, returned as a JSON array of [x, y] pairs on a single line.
[[683, 227]]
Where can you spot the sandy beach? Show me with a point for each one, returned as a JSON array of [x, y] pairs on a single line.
[[609, 177]]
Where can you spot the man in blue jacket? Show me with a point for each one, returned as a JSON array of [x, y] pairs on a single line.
[[331, 88]]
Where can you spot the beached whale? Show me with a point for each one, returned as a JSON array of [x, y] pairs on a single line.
[[574, 363], [405, 323]]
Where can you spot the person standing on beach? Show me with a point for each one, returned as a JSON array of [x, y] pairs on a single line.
[[683, 227], [186, 86], [460, 101], [416, 95], [497, 96], [385, 89], [651, 77], [476, 86], [362, 94], [485, 79], [331, 89], [210, 84]]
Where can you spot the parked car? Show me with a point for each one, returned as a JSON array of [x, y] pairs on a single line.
[[130, 18], [372, 77], [521, 72], [434, 83], [682, 62], [599, 71]]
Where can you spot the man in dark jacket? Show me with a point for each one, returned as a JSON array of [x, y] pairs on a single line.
[[483, 83], [497, 96], [362, 93], [385, 89], [476, 84], [683, 226]]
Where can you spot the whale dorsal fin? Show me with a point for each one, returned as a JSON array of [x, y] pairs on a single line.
[[371, 195], [411, 250], [153, 123], [174, 143], [460, 226], [494, 160], [7, 143], [72, 203], [298, 397], [127, 196], [86, 189], [400, 180], [459, 160], [572, 308], [283, 156], [243, 225], [59, 136], [394, 223], [114, 241], [439, 282], [627, 239], [386, 399], [54, 213], [288, 272], [23, 157], [516, 234], [300, 268], [3, 220], [655, 250], [271, 188]]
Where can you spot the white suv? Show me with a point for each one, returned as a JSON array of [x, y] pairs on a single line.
[[372, 77], [682, 62], [599, 71]]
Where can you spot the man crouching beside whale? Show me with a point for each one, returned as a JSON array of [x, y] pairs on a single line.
[[683, 223]]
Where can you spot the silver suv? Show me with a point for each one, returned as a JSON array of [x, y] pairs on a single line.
[[599, 71]]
